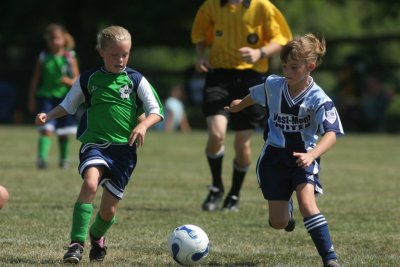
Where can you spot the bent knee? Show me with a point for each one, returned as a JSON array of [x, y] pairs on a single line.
[[278, 223]]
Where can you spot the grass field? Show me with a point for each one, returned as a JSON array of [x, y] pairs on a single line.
[[361, 203]]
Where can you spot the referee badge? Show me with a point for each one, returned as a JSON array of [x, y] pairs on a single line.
[[252, 38]]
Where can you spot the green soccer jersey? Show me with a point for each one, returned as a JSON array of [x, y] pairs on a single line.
[[53, 67], [114, 103]]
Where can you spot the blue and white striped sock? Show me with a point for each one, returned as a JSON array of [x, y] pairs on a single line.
[[317, 227]]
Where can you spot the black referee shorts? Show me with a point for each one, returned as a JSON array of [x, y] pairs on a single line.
[[222, 86]]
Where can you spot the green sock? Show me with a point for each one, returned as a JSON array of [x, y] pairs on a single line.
[[80, 221], [44, 147], [100, 226], [63, 144]]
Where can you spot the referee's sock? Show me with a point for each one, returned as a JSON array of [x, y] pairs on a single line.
[[239, 172], [215, 163]]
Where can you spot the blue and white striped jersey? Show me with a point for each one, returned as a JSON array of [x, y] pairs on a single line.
[[296, 122]]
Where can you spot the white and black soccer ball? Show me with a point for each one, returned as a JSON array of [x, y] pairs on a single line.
[[188, 245]]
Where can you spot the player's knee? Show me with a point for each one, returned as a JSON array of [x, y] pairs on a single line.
[[278, 223]]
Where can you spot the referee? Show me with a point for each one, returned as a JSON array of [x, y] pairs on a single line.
[[234, 40]]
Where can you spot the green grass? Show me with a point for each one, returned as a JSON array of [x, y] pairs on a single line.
[[361, 204]]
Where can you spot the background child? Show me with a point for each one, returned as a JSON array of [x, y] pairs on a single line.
[[299, 110], [109, 132], [55, 71]]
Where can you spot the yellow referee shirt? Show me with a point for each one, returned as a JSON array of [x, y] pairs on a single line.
[[226, 28]]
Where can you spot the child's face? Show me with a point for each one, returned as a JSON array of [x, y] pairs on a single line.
[[56, 41], [296, 72], [115, 55]]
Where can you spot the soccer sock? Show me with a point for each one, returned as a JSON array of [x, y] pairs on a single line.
[[80, 222], [215, 163], [100, 226], [44, 145], [317, 227], [239, 172], [63, 143]]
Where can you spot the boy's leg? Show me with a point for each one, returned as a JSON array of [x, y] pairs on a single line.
[[80, 222], [315, 222], [104, 220], [82, 214]]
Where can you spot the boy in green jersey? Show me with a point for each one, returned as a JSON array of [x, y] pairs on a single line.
[[109, 130]]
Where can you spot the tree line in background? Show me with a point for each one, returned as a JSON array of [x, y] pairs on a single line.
[[362, 36]]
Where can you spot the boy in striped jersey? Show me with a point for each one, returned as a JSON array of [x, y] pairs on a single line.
[[299, 111], [109, 130]]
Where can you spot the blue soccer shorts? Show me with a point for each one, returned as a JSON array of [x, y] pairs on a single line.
[[118, 160], [278, 174]]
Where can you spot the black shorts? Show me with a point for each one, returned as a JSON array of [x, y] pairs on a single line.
[[222, 86]]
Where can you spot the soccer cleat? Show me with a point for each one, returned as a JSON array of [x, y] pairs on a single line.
[[213, 199], [231, 203], [63, 164], [332, 263], [74, 253], [98, 250], [291, 224], [41, 164]]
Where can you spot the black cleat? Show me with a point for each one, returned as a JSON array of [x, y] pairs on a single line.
[[98, 250], [211, 203], [231, 203], [291, 224], [74, 253]]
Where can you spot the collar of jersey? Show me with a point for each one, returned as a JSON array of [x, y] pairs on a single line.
[[289, 99], [108, 72], [246, 3]]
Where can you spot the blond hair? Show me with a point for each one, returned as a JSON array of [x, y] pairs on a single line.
[[308, 48], [69, 40], [112, 34]]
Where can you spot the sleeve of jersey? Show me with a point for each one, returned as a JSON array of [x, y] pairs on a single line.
[[277, 26], [257, 93], [328, 118], [150, 99], [201, 28], [74, 98]]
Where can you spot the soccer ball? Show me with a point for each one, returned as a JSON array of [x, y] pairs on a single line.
[[3, 196], [188, 245]]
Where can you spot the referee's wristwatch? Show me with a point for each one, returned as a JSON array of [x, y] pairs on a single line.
[[262, 53]]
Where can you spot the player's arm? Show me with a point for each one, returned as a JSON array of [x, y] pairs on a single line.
[[55, 113], [239, 104], [69, 105], [202, 64], [306, 159], [33, 86], [153, 111], [69, 81]]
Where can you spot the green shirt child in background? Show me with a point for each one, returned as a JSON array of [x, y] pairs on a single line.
[[55, 71]]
